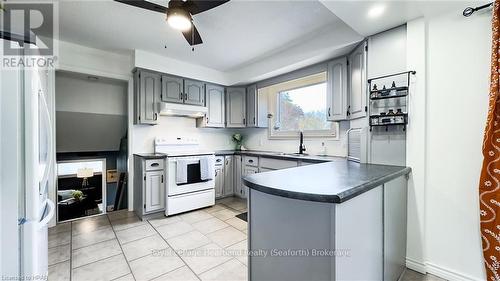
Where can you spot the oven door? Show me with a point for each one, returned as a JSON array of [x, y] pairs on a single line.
[[194, 182]]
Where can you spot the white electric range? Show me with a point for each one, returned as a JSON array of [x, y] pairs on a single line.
[[195, 192]]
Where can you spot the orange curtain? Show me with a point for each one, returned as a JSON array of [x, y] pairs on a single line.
[[489, 185]]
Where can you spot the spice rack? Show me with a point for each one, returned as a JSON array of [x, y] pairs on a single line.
[[389, 100]]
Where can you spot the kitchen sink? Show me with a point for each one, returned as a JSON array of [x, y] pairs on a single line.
[[296, 154]]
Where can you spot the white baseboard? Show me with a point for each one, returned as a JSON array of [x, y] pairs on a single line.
[[439, 271], [449, 274], [416, 265]]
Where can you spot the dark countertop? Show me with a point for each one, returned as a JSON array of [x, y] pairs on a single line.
[[151, 155], [280, 155], [332, 182]]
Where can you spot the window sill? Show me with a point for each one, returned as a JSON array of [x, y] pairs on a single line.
[[331, 135]]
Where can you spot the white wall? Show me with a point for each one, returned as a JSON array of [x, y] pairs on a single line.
[[168, 127], [90, 115], [456, 101], [78, 58], [75, 93], [387, 55], [415, 145], [168, 65], [257, 139]]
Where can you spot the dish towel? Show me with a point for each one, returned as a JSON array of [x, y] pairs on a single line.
[[207, 167], [181, 173]]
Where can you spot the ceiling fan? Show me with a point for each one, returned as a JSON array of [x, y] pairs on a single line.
[[179, 14]]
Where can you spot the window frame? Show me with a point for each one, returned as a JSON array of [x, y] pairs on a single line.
[[273, 92]]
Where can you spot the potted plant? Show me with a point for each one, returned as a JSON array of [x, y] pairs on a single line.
[[77, 195], [238, 140]]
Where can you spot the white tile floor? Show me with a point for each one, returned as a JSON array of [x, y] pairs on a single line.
[[206, 244]]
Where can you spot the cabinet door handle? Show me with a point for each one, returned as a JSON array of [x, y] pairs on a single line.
[[185, 96], [244, 121], [254, 121], [329, 112], [215, 172], [180, 96], [155, 164], [156, 116], [250, 161], [161, 178]]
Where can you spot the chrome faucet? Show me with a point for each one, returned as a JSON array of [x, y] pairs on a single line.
[[302, 146]]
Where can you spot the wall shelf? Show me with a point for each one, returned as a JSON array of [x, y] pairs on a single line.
[[390, 113], [396, 92], [389, 120]]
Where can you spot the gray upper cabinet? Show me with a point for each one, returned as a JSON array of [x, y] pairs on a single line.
[[216, 106], [252, 106], [357, 82], [236, 107], [171, 89], [147, 94], [256, 108], [337, 90], [194, 92]]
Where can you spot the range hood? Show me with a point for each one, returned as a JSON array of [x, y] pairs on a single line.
[[185, 110]]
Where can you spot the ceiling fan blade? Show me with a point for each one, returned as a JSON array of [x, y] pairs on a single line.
[[192, 36], [144, 5], [197, 6]]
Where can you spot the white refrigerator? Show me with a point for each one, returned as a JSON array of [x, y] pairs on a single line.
[[27, 163]]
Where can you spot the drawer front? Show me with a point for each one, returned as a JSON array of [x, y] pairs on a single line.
[[219, 160], [276, 164], [251, 161], [154, 164]]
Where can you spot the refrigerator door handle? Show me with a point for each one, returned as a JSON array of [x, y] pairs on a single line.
[[45, 109], [50, 214]]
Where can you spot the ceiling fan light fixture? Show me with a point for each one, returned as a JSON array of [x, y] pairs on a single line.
[[179, 19]]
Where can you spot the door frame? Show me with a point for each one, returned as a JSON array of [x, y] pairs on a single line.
[[104, 186], [130, 106]]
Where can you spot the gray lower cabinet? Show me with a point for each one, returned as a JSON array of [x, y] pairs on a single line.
[[147, 88], [247, 170], [154, 191], [219, 181], [238, 183], [215, 102], [194, 92], [357, 82], [256, 107], [228, 176], [171, 89], [236, 107], [224, 175], [337, 90], [149, 185]]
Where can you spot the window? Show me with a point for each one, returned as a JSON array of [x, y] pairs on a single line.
[[300, 105]]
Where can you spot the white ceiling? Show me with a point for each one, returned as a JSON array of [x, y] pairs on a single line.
[[244, 40], [357, 14], [235, 34]]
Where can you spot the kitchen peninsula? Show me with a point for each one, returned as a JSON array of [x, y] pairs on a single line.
[[338, 220]]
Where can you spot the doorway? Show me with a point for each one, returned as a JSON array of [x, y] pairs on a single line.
[[91, 144]]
